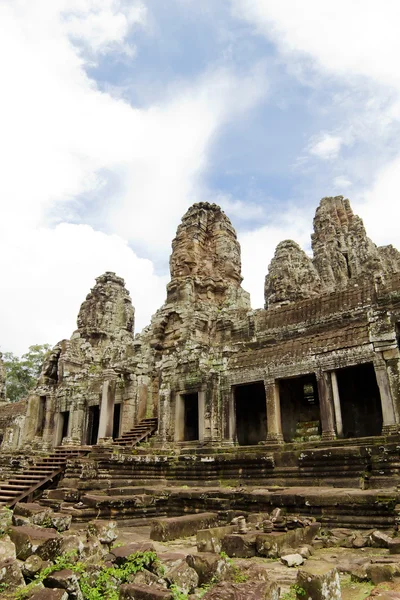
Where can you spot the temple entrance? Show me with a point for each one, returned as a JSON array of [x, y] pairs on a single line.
[[360, 401], [65, 423], [116, 421], [300, 412], [62, 427], [191, 417], [251, 413], [93, 425]]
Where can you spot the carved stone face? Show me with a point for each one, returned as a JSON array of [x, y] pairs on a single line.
[[206, 248]]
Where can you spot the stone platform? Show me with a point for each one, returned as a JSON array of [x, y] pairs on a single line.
[[340, 507]]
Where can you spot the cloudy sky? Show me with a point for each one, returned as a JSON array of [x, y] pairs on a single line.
[[116, 115]]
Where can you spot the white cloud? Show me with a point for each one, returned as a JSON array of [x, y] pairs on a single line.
[[65, 144], [47, 273], [345, 38], [341, 182], [327, 147], [354, 44]]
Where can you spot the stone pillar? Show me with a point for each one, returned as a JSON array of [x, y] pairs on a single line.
[[179, 417], [202, 418], [326, 405], [274, 423], [107, 407], [164, 415], [392, 361], [76, 420], [388, 415], [48, 429], [336, 404]]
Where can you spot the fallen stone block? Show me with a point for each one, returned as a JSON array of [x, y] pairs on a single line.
[[33, 565], [7, 548], [378, 573], [208, 567], [394, 546], [240, 545], [35, 513], [164, 530], [183, 576], [46, 543], [131, 591], [146, 577], [292, 560], [167, 561], [319, 581], [121, 554], [259, 590], [11, 575], [49, 594], [105, 531], [210, 540], [60, 522], [66, 580], [380, 540], [71, 543], [272, 544]]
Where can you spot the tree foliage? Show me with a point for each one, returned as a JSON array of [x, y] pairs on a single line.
[[21, 373]]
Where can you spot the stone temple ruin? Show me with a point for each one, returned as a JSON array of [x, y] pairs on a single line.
[[320, 363], [296, 405]]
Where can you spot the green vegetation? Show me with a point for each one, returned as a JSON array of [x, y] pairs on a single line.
[[294, 592], [21, 373], [104, 585]]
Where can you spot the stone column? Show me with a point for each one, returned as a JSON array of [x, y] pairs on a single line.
[[164, 415], [179, 417], [392, 362], [388, 415], [202, 418], [274, 422], [48, 429], [336, 404], [75, 425], [107, 407], [326, 405]]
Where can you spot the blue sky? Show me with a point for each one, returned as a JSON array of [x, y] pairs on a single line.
[[117, 115]]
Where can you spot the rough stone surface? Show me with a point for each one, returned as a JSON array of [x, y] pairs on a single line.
[[7, 548], [291, 276], [131, 591], [46, 543], [209, 567], [49, 594], [210, 540], [175, 527], [10, 574], [292, 560], [105, 531], [243, 591], [319, 581]]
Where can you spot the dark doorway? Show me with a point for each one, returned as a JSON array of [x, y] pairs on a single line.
[[360, 401], [251, 413], [93, 425], [65, 423], [116, 421], [301, 419], [190, 417], [41, 415]]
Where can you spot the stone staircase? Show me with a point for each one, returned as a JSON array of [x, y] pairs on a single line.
[[139, 433], [41, 474], [307, 431]]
